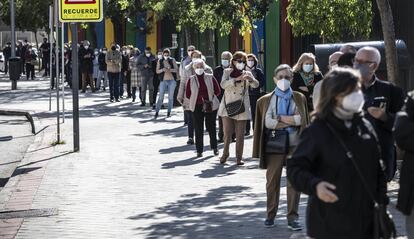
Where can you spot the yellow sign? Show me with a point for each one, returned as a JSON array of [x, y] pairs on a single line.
[[81, 10]]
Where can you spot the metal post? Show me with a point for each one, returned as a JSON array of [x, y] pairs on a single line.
[[57, 69], [50, 55], [63, 70], [75, 87], [13, 37]]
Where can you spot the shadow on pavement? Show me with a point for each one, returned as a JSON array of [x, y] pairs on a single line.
[[185, 162], [215, 215]]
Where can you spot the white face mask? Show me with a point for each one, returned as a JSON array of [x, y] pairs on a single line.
[[128, 52], [159, 57], [86, 47], [240, 66], [104, 52], [250, 64], [283, 84], [148, 54], [307, 68], [165, 57], [199, 71], [225, 63], [353, 102]]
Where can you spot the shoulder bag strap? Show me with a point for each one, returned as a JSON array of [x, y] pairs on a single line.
[[350, 156]]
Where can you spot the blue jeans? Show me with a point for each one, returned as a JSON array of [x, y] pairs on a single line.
[[164, 86], [113, 85]]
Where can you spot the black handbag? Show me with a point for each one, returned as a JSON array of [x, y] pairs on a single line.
[[207, 106], [384, 226], [236, 107], [277, 141]]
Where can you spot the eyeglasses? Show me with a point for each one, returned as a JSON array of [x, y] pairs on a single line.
[[190, 50], [362, 62]]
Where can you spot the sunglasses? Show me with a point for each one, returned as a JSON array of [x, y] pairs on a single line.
[[240, 61]]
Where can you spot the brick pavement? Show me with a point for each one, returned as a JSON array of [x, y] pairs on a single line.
[[134, 178]]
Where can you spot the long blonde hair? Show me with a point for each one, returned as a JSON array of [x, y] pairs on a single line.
[[306, 56]]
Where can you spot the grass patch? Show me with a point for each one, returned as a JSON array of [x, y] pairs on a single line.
[[58, 143]]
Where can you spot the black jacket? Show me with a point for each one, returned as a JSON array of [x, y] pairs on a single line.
[[320, 157], [404, 135], [125, 63], [298, 82], [102, 62], [86, 64], [395, 100], [218, 74], [258, 74], [7, 52]]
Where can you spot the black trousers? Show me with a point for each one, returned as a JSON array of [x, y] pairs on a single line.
[[30, 71], [253, 100], [198, 121], [188, 118]]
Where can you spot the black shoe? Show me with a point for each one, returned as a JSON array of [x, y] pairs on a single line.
[[104, 89], [294, 225], [111, 100], [168, 114], [220, 140], [133, 99], [247, 133], [118, 100], [216, 152], [121, 97], [142, 104], [156, 116], [190, 141], [270, 222], [153, 107], [129, 97], [199, 155]]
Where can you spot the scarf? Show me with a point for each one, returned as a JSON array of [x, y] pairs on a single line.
[[307, 78], [236, 73], [283, 101]]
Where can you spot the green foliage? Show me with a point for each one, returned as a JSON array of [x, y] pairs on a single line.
[[223, 15], [331, 19], [30, 15]]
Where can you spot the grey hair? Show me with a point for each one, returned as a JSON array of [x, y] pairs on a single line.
[[199, 61], [281, 68], [374, 53]]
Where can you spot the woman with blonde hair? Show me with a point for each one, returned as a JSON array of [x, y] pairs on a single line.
[[306, 74]]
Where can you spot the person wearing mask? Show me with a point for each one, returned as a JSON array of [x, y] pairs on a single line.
[[254, 93], [23, 55], [128, 75], [306, 75], [404, 136], [124, 71], [135, 72], [102, 74], [184, 101], [202, 91], [156, 79], [145, 61], [7, 55], [45, 50], [382, 101], [236, 82], [284, 111], [333, 64], [226, 57], [96, 67], [167, 72], [329, 167], [20, 53], [30, 61], [113, 61], [86, 57]]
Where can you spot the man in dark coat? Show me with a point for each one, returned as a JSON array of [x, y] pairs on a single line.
[[7, 55], [404, 135], [86, 57], [45, 49], [382, 101], [145, 64]]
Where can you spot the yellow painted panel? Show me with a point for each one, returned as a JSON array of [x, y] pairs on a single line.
[[152, 36], [248, 42], [109, 33]]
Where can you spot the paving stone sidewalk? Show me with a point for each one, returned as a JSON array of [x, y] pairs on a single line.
[[133, 178]]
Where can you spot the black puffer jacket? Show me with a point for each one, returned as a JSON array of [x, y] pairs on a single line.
[[320, 157], [404, 135]]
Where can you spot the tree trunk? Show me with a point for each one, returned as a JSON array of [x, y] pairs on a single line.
[[118, 35], [187, 36], [388, 30]]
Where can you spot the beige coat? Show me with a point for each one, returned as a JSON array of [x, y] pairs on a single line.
[[209, 80], [113, 61], [234, 91]]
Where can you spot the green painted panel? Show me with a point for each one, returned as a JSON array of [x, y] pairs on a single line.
[[130, 33], [223, 44], [272, 43]]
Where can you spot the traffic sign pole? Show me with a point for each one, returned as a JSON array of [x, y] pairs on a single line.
[[75, 87]]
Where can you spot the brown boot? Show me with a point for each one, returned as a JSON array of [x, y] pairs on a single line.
[[223, 159], [240, 162]]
